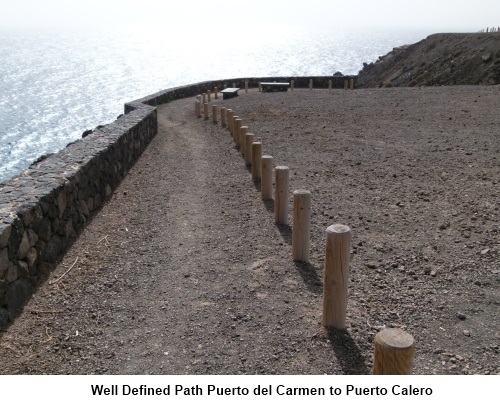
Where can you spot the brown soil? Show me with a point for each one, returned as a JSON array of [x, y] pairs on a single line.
[[438, 60], [184, 271]]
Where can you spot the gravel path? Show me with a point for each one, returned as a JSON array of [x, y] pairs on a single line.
[[184, 271]]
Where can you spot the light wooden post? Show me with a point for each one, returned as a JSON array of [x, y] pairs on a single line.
[[208, 95], [281, 174], [229, 116], [214, 114], [352, 84], [336, 275], [329, 84], [301, 227], [204, 98], [394, 352], [234, 85], [266, 185], [292, 84], [233, 125], [248, 148], [246, 86], [223, 116], [205, 110], [256, 161], [260, 87], [243, 133], [216, 93], [310, 84], [237, 129]]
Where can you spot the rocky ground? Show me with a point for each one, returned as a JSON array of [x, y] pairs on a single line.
[[184, 271], [438, 60]]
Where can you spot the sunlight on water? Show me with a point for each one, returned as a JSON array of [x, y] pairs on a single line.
[[55, 85]]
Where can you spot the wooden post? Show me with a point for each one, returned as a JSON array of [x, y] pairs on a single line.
[[310, 84], [394, 352], [205, 110], [198, 109], [233, 124], [216, 93], [204, 98], [237, 130], [246, 86], [229, 116], [214, 113], [292, 84], [266, 185], [208, 95], [329, 84], [234, 85], [260, 87], [336, 275], [352, 84], [223, 116], [256, 161], [243, 133], [248, 148], [281, 174], [301, 227]]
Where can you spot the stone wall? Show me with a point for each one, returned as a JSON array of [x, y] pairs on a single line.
[[43, 209]]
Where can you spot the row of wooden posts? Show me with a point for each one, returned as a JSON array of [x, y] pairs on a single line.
[[394, 348]]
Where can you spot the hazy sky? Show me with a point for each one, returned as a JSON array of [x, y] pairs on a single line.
[[437, 15]]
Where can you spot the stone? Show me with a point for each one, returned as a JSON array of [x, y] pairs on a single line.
[[4, 318], [33, 237], [18, 293], [22, 269], [24, 246], [486, 57], [485, 251], [371, 265], [61, 202], [11, 274], [461, 316], [4, 234], [4, 261], [45, 230], [31, 258], [85, 209], [53, 249]]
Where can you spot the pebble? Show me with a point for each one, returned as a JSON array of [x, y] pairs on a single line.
[[485, 251], [461, 316]]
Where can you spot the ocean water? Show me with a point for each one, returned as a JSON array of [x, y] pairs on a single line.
[[54, 85]]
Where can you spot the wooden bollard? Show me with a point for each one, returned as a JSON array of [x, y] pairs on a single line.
[[281, 174], [237, 130], [345, 84], [229, 117], [216, 93], [214, 114], [394, 352], [205, 110], [204, 95], [336, 275], [233, 124], [310, 84], [260, 87], [266, 185], [198, 108], [329, 84], [301, 225], [246, 86], [234, 85], [243, 133], [352, 84], [208, 95], [223, 116], [248, 148], [292, 83], [256, 160]]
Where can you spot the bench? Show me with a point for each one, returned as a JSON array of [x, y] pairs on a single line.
[[229, 92], [274, 86]]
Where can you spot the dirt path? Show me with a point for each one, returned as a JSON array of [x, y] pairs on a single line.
[[184, 271]]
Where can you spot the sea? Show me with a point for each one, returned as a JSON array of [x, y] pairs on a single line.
[[55, 84]]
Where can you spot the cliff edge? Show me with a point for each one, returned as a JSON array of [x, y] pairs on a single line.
[[439, 59]]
